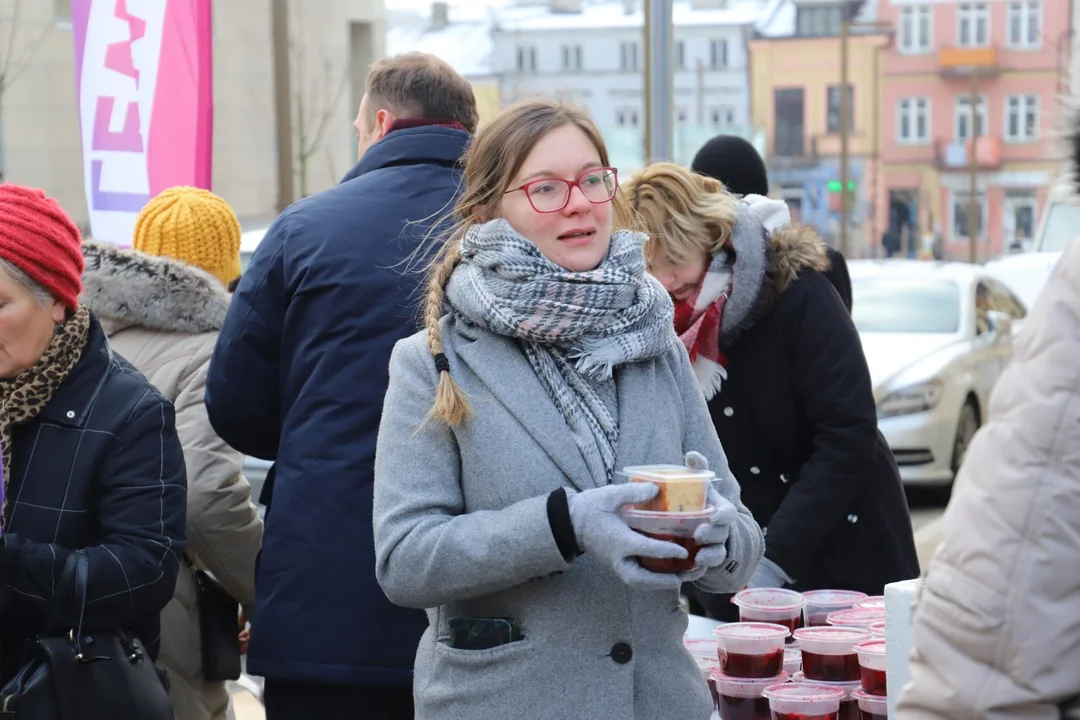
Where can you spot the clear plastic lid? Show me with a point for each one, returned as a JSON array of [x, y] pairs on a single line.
[[875, 704], [872, 602], [811, 699], [751, 638], [872, 654], [680, 524], [771, 599], [849, 688], [666, 473], [836, 599], [744, 687], [828, 640], [856, 617]]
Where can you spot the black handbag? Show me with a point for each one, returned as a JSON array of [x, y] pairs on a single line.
[[76, 675], [219, 628]]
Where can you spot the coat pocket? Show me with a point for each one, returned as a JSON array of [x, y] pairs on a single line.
[[961, 611], [457, 684]]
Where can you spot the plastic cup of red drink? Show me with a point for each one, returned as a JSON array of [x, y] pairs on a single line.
[[856, 617], [675, 528], [878, 629], [682, 489], [872, 666], [751, 650], [741, 698], [828, 653], [771, 605], [819, 603], [792, 660], [871, 707], [872, 602], [849, 706], [804, 702]]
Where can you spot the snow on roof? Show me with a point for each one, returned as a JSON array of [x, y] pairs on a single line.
[[465, 42], [611, 14], [778, 18]]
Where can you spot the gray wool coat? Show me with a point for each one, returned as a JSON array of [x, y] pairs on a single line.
[[461, 529]]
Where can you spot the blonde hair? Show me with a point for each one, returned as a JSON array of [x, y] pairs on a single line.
[[684, 213], [491, 163]]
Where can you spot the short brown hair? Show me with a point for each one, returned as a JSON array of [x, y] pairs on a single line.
[[419, 85]]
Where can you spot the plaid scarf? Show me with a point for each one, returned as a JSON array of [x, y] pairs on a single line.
[[23, 397], [575, 327]]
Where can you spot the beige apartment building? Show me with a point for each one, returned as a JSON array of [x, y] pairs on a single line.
[[333, 44]]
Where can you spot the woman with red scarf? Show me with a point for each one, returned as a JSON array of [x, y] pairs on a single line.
[[779, 361]]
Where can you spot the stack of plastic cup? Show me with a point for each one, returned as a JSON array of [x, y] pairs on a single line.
[[819, 603], [828, 653], [871, 707], [751, 658], [771, 605], [795, 701], [674, 514], [872, 666]]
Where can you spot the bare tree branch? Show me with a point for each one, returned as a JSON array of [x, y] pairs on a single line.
[[14, 66]]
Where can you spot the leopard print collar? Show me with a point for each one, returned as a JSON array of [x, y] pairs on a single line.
[[22, 398]]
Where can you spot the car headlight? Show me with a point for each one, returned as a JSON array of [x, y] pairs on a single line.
[[911, 399]]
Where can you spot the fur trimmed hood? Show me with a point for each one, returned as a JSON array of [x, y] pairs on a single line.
[[126, 288], [763, 271]]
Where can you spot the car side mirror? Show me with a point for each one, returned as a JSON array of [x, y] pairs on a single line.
[[1000, 323]]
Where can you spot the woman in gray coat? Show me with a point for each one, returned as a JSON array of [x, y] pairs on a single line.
[[504, 424]]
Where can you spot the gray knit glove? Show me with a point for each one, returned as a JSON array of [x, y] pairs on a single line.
[[712, 535], [601, 533]]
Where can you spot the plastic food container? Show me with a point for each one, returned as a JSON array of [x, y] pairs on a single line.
[[878, 629], [792, 660], [819, 603], [871, 707], [676, 528], [804, 702], [828, 653], [741, 698], [872, 666], [751, 650], [771, 605], [857, 617], [681, 488], [849, 706], [873, 602]]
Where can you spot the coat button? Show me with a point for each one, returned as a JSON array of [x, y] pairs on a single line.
[[755, 471], [783, 478], [70, 414], [729, 411], [622, 653], [853, 519]]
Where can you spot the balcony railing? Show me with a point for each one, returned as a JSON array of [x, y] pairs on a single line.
[[794, 151], [962, 61], [953, 154]]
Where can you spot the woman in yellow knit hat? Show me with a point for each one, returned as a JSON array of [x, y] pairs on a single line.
[[163, 314]]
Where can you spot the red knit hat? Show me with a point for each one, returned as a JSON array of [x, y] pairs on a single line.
[[39, 238]]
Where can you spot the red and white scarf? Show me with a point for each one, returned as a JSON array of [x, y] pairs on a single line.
[[698, 320]]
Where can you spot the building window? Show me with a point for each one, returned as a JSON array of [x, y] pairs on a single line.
[[626, 117], [722, 117], [960, 207], [1021, 118], [915, 29], [526, 58], [789, 122], [680, 55], [1025, 24], [963, 117], [718, 57], [628, 56], [818, 21], [571, 57], [973, 24], [832, 101], [913, 121]]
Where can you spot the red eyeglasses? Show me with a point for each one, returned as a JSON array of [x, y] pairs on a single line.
[[548, 195]]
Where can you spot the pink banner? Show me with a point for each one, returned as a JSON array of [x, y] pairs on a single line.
[[144, 75]]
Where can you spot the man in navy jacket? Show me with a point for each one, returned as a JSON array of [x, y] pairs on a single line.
[[298, 377]]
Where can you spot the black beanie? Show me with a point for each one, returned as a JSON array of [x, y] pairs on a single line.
[[734, 162]]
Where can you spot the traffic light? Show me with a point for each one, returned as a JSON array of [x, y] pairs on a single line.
[[834, 186]]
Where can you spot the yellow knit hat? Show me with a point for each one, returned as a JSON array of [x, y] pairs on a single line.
[[194, 226]]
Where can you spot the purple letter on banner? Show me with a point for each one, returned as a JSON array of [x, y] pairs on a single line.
[[127, 140]]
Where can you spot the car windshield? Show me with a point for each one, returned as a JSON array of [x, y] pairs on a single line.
[[905, 305], [1062, 220]]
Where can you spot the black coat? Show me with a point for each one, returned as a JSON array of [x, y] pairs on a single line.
[[797, 418], [298, 376], [99, 468]]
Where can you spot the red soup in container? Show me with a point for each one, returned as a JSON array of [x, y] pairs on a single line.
[[819, 603], [771, 605], [828, 653], [751, 650], [872, 665], [741, 698], [676, 528], [804, 702], [871, 707]]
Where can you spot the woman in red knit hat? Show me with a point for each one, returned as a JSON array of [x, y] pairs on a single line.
[[91, 463]]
